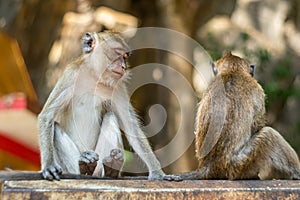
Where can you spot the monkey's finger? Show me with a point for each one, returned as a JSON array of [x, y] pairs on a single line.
[[84, 160], [92, 159], [177, 178], [55, 171], [172, 178], [119, 157], [46, 174], [90, 155], [114, 152], [59, 170], [56, 175]]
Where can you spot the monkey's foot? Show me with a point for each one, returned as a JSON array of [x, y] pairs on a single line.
[[52, 172], [88, 162], [160, 175], [113, 163]]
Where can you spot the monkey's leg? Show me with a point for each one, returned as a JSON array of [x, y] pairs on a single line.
[[282, 160], [88, 162], [113, 163], [269, 155], [66, 155], [109, 147]]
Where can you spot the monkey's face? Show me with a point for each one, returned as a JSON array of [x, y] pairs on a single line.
[[230, 63], [111, 52], [117, 61]]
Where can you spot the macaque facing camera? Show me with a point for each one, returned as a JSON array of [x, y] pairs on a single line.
[[81, 123]]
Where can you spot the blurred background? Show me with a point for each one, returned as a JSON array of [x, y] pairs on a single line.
[[39, 38]]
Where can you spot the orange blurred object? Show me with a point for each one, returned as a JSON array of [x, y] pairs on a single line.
[[18, 108]]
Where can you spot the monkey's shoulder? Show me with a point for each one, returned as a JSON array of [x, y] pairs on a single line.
[[69, 75], [242, 89], [238, 82]]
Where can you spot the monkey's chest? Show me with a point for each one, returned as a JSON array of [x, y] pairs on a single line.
[[84, 118], [87, 101]]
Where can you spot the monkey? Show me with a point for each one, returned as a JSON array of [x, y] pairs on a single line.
[[232, 140], [82, 121]]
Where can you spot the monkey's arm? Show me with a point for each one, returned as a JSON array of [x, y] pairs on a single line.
[[137, 139], [211, 118], [55, 105]]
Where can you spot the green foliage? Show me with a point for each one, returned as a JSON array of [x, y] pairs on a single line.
[[275, 92], [282, 70], [263, 56], [280, 88], [297, 94], [298, 127], [244, 36]]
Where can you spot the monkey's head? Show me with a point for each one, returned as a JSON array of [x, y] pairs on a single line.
[[108, 51], [231, 63]]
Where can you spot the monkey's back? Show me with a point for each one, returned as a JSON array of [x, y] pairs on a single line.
[[225, 121]]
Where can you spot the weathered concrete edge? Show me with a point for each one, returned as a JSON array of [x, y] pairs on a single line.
[[137, 189]]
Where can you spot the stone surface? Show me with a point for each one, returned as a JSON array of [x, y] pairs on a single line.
[[143, 189]]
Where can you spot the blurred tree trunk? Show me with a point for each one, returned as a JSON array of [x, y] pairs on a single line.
[[185, 17], [35, 27]]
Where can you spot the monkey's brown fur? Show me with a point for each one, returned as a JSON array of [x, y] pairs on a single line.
[[232, 141]]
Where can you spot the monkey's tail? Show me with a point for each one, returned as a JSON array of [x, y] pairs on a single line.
[[193, 175]]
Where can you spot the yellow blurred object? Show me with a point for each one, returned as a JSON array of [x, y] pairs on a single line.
[[13, 73]]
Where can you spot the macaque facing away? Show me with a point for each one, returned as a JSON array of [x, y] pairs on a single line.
[[81, 122], [232, 140]]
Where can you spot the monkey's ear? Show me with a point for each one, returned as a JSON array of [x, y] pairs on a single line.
[[214, 68], [252, 66], [88, 42], [227, 53]]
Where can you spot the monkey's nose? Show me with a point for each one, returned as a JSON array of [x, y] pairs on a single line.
[[123, 65]]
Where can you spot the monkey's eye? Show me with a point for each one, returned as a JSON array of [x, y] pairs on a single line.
[[252, 66], [214, 68], [126, 55], [88, 43]]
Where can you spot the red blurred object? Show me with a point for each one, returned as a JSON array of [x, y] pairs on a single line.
[[16, 137], [19, 150], [13, 101]]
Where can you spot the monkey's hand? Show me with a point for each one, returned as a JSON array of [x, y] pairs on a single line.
[[160, 175], [88, 162], [52, 172]]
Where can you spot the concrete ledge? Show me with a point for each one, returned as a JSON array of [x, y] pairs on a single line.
[[143, 189]]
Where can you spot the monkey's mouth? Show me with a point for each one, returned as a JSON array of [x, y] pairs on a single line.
[[117, 74]]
